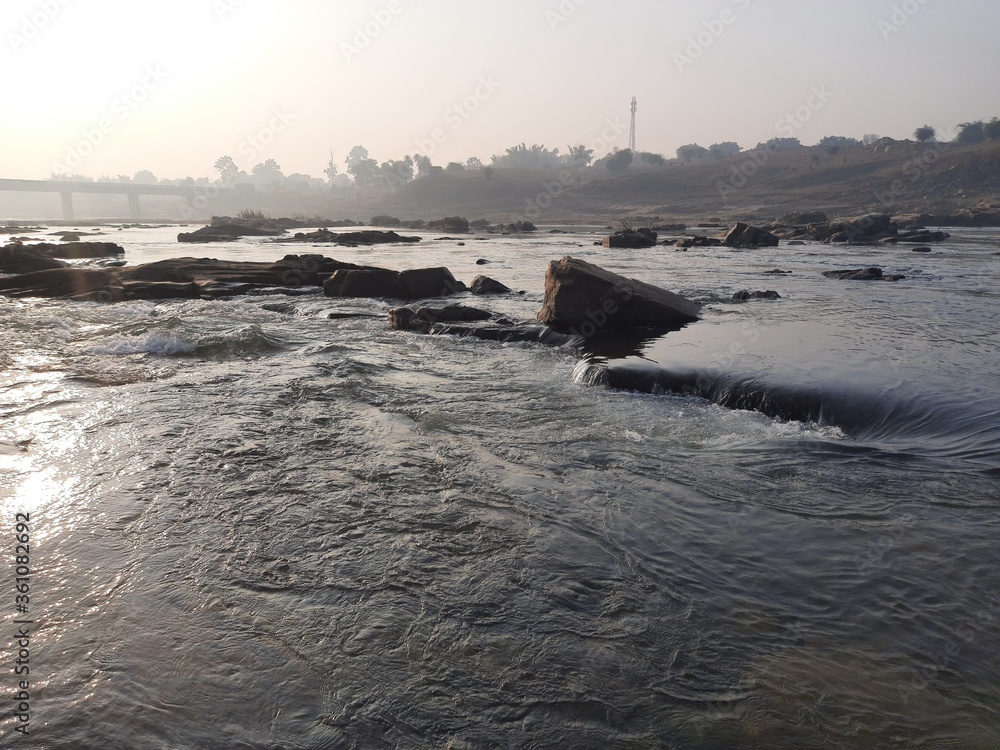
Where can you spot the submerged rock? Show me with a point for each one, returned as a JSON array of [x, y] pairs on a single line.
[[862, 274], [578, 293], [748, 295], [227, 233], [363, 237]]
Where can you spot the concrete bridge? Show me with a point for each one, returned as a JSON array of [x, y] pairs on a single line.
[[131, 190]]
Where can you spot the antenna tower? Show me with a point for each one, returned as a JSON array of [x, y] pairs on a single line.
[[631, 135]]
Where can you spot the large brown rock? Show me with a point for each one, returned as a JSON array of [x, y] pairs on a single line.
[[18, 258], [419, 283], [73, 283], [78, 250], [744, 235], [580, 294]]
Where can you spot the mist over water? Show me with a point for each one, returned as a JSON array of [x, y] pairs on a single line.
[[260, 527]]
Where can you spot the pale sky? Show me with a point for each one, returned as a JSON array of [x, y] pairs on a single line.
[[108, 87]]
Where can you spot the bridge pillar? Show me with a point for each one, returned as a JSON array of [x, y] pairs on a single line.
[[133, 206], [67, 206]]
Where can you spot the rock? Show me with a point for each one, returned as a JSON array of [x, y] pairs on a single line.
[[450, 224], [159, 289], [921, 250], [17, 258], [227, 233], [366, 283], [862, 274], [419, 283], [72, 283], [631, 239], [796, 242], [748, 295], [578, 293], [486, 285], [352, 239], [918, 237], [482, 262], [775, 272], [78, 250], [214, 278], [744, 236], [421, 319]]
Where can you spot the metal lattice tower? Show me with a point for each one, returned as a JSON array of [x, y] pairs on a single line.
[[631, 135]]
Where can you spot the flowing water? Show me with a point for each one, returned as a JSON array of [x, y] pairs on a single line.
[[254, 526]]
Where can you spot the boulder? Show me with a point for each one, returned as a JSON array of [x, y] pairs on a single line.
[[367, 283], [866, 224], [421, 319], [744, 235], [353, 239], [486, 285], [73, 283], [17, 258], [421, 283], [803, 218], [862, 274], [631, 239], [579, 293]]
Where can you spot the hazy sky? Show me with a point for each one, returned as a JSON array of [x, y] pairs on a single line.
[[115, 86]]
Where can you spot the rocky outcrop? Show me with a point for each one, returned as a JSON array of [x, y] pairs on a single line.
[[227, 233], [18, 258], [745, 236], [578, 293], [421, 283], [211, 278], [421, 319], [79, 250], [350, 239], [917, 237], [486, 285], [69, 283], [862, 274], [631, 239]]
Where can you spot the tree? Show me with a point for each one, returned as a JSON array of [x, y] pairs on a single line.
[[423, 165], [924, 133], [488, 172], [331, 169], [227, 169], [362, 168], [870, 138], [145, 177], [724, 149], [780, 144], [397, 172], [526, 157], [618, 162], [268, 173], [474, 162], [971, 132], [653, 160], [579, 156], [838, 142], [691, 151], [454, 167], [993, 129]]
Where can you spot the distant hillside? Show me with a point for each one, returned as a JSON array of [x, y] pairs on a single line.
[[895, 176]]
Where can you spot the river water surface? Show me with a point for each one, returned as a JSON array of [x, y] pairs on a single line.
[[254, 526]]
